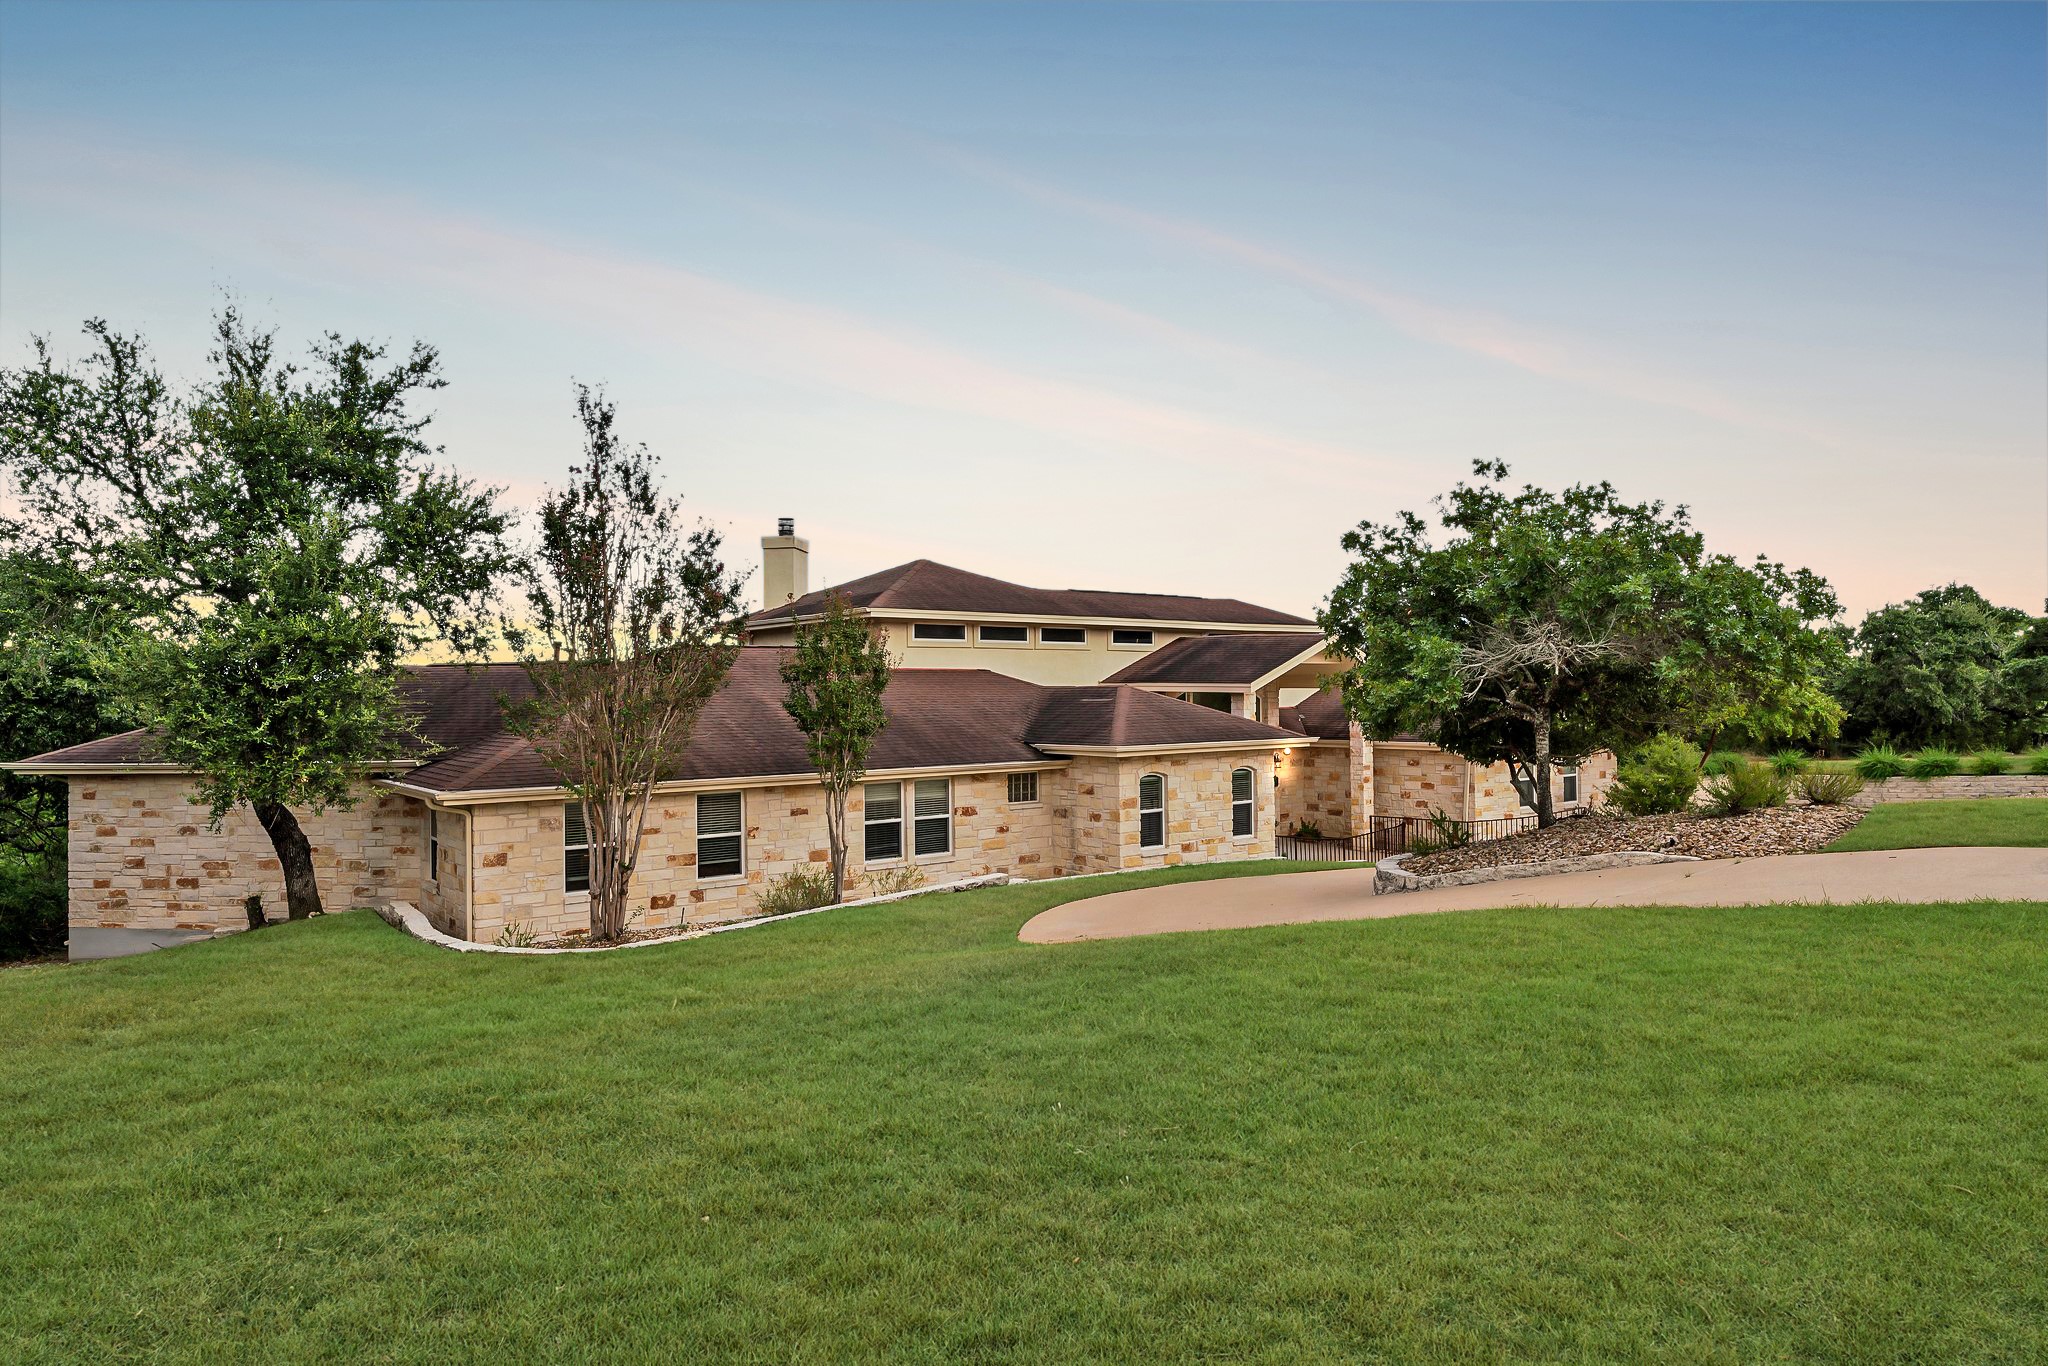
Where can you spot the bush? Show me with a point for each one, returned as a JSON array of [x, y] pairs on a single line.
[[802, 888], [1875, 763], [1443, 833], [890, 881], [1788, 763], [2037, 762], [33, 910], [1723, 761], [1308, 830], [1935, 763], [1657, 779], [1749, 788], [1829, 789]]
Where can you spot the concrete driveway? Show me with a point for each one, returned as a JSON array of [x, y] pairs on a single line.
[[1912, 875]]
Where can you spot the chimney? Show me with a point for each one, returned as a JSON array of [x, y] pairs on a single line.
[[785, 564]]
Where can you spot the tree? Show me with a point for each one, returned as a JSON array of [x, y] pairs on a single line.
[[1946, 667], [640, 618], [273, 542], [1550, 626], [836, 675]]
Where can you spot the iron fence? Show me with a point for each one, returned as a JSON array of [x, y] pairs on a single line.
[[1388, 835]]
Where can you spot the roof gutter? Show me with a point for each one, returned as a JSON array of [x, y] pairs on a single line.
[[484, 796], [34, 769], [1259, 628], [1205, 747]]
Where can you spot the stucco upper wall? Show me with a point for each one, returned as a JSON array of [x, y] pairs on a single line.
[[1053, 665]]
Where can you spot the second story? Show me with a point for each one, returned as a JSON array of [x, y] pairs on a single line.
[[940, 617]]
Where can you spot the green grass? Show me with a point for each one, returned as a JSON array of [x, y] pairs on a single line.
[[1927, 825], [895, 1133]]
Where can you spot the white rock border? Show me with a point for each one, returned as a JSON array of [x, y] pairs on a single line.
[[1390, 876], [403, 915]]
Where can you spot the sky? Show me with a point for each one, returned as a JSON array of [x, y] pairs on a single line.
[[1153, 297]]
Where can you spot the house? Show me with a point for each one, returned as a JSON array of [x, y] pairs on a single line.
[[1035, 732]]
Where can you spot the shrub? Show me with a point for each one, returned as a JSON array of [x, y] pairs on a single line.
[[1657, 779], [1748, 788], [33, 910], [890, 881], [1875, 763], [1788, 763], [803, 888], [2037, 762], [1308, 830], [516, 934], [1723, 761], [1829, 789], [1991, 763], [1443, 833], [1934, 763]]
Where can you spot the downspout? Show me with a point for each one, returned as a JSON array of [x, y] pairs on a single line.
[[469, 875]]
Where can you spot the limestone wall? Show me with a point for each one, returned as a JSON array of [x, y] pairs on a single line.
[[1198, 814], [1957, 787], [1416, 780], [1328, 785], [142, 856]]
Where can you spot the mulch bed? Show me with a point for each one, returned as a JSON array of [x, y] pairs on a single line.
[[1775, 830]]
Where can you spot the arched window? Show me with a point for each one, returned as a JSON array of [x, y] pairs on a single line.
[[1242, 814], [1152, 811]]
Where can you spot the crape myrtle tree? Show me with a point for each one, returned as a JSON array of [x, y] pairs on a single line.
[[836, 676], [1549, 626], [635, 627], [273, 540], [1946, 667]]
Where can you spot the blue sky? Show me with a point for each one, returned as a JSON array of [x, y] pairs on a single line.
[[1141, 297]]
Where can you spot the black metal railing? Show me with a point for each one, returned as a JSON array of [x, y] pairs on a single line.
[[1388, 835]]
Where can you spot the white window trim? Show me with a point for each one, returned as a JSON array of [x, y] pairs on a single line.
[[583, 891], [1251, 801], [1037, 789], [697, 838], [902, 845], [913, 820], [1150, 644], [981, 641], [434, 847], [966, 636], [1080, 644], [1568, 774], [1143, 810]]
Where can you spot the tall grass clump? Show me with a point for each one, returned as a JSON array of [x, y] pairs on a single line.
[[1788, 763], [1657, 779], [2037, 761], [1934, 763], [1991, 763], [1828, 789], [1723, 761], [1751, 787], [1875, 763], [803, 888]]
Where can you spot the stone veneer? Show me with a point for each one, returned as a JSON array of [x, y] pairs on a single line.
[[1956, 787], [143, 857], [1327, 784], [1085, 820]]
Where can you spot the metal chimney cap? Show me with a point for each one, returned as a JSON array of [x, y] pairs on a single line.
[[785, 526]]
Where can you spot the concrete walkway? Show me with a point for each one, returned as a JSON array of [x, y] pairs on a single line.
[[1911, 875]]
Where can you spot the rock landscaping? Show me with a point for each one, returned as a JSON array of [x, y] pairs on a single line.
[[1776, 830]]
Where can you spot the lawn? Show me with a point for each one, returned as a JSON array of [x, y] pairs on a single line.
[[1810, 1134], [1926, 825]]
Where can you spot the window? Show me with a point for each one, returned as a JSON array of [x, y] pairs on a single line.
[[433, 845], [1152, 812], [1023, 788], [721, 834], [937, 631], [575, 849], [1062, 635], [1241, 813], [1006, 635], [933, 816], [1569, 776], [1130, 637], [1215, 701], [884, 821]]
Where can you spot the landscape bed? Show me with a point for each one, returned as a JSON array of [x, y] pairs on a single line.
[[1792, 1133], [1798, 829]]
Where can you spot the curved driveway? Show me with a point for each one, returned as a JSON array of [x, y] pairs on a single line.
[[1912, 875]]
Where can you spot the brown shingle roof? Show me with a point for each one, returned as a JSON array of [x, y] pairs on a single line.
[[1243, 659], [938, 718], [923, 585], [1321, 716]]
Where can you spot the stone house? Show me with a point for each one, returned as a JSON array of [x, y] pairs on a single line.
[[1033, 732]]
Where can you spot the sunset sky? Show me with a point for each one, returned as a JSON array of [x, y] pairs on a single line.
[[1154, 297]]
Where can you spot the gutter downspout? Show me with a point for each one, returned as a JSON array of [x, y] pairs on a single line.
[[469, 876]]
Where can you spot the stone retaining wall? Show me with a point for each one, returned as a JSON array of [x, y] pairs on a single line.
[[1390, 876], [1958, 788]]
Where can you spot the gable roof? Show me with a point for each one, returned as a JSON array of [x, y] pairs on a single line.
[[937, 719], [1236, 658], [926, 586], [1320, 716]]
